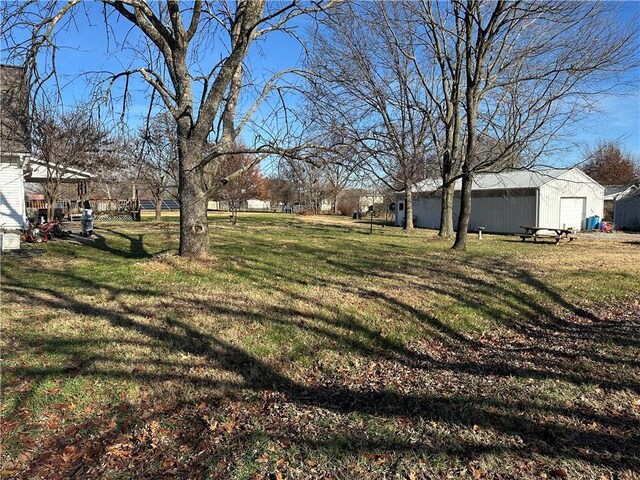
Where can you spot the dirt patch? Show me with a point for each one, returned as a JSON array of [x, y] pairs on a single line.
[[171, 262]]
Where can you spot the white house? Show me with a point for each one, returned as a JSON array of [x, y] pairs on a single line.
[[14, 153], [16, 164], [251, 204], [502, 202]]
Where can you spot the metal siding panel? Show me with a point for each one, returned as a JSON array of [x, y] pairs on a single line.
[[503, 213], [627, 213], [549, 207], [427, 212]]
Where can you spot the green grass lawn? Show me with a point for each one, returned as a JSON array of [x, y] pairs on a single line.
[[306, 348]]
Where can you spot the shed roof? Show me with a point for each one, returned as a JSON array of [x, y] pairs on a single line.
[[633, 195], [614, 192], [505, 180]]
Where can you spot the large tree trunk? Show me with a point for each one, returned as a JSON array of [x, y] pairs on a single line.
[[469, 160], [465, 211], [194, 230], [50, 203], [446, 212], [50, 196], [158, 200], [408, 211]]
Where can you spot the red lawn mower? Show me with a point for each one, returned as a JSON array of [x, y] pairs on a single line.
[[43, 233]]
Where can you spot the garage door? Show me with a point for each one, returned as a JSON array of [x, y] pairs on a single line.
[[572, 212]]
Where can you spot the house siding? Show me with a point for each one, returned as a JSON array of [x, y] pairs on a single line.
[[14, 149], [12, 207]]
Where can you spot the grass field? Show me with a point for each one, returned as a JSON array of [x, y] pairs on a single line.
[[307, 348]]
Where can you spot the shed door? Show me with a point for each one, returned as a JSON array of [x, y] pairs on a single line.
[[400, 213], [572, 212]]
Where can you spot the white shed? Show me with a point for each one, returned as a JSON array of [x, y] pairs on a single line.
[[502, 202]]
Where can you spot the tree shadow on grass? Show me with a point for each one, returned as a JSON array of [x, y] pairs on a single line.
[[519, 312], [520, 425], [134, 250]]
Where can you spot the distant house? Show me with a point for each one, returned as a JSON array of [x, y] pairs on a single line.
[[367, 200], [626, 212], [358, 200], [252, 204], [14, 153], [502, 202]]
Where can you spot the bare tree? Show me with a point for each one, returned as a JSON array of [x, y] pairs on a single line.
[[172, 42], [366, 88], [338, 164], [110, 165], [281, 190], [251, 185], [309, 183], [157, 159], [66, 144], [338, 176], [433, 43], [530, 69]]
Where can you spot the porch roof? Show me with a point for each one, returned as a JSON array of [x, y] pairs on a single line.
[[38, 171]]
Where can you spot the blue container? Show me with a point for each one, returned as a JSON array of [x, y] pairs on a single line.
[[593, 222]]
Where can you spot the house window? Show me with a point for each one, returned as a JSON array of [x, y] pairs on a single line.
[[400, 206]]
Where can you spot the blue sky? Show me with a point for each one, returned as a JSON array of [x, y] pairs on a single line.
[[618, 117], [84, 49]]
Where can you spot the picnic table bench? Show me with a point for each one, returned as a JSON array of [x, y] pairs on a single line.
[[534, 233]]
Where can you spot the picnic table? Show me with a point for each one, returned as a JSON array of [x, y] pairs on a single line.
[[553, 233]]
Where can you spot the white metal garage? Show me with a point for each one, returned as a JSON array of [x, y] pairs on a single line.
[[501, 202]]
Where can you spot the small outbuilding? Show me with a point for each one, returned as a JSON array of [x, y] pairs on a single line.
[[502, 202], [626, 213], [613, 193]]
